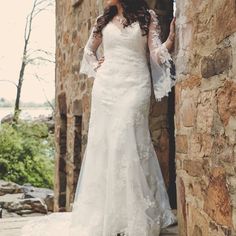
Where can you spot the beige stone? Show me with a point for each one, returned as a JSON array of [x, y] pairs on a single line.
[[198, 224], [182, 217], [189, 96], [197, 188], [200, 145], [217, 202], [205, 116], [196, 168], [222, 151], [181, 144], [191, 82], [226, 101], [225, 19], [205, 112]]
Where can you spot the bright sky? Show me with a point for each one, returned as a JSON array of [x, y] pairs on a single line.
[[12, 23]]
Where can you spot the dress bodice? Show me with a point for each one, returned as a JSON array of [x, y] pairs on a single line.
[[124, 50], [131, 49], [126, 43]]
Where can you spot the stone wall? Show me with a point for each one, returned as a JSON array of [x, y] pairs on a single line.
[[74, 20], [205, 117], [73, 96]]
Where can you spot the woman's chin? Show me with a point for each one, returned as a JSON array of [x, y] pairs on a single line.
[[110, 3]]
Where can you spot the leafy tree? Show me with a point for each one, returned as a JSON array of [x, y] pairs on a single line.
[[27, 154]]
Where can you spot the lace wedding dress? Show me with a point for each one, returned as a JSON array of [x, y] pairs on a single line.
[[120, 191]]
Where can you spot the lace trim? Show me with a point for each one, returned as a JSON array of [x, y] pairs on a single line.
[[160, 61], [89, 63]]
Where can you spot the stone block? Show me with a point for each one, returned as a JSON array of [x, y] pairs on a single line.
[[226, 101], [181, 208], [188, 112], [85, 103], [191, 82], [217, 62], [222, 151], [77, 107], [8, 187], [181, 144], [200, 145], [205, 112], [230, 130], [197, 222], [225, 19], [197, 188], [62, 103], [217, 202], [196, 168]]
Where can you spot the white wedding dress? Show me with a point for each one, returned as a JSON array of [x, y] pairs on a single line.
[[120, 191]]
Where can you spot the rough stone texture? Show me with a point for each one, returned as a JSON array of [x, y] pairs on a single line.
[[217, 62], [24, 199], [181, 201], [8, 198], [74, 20], [226, 101], [181, 144], [205, 117], [217, 200], [9, 187], [26, 206]]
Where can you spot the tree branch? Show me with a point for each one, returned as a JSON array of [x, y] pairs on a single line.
[[50, 104], [48, 53], [32, 60], [9, 81]]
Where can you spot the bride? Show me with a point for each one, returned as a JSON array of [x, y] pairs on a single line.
[[120, 191]]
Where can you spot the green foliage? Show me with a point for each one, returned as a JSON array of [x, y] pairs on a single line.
[[27, 154]]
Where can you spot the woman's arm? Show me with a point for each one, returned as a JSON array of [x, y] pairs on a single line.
[[171, 37], [90, 62], [160, 59], [156, 47]]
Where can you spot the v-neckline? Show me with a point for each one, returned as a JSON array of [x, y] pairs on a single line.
[[121, 29]]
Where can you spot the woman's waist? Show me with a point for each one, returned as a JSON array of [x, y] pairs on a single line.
[[131, 58], [133, 68], [124, 64]]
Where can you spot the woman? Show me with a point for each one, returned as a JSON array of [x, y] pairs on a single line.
[[120, 191]]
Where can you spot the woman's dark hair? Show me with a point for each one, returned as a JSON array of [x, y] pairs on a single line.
[[133, 10]]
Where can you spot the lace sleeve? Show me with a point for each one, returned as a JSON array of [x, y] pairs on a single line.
[[160, 60], [91, 56]]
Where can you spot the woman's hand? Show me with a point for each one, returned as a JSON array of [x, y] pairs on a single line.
[[172, 26], [171, 38], [100, 61]]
